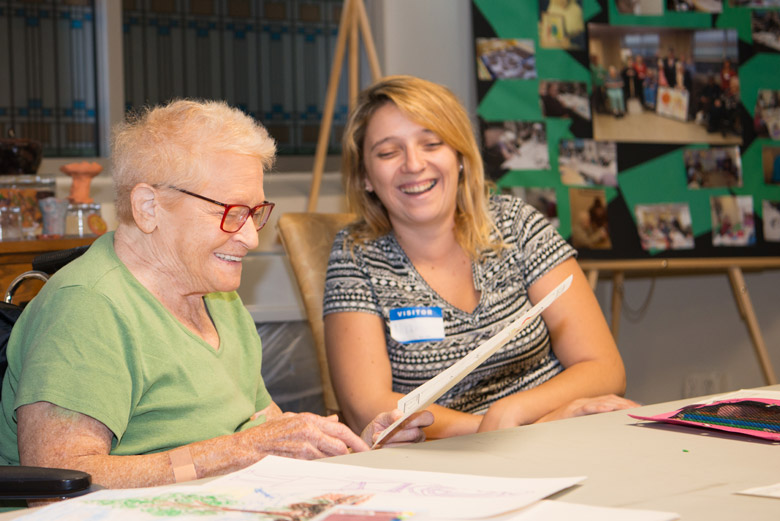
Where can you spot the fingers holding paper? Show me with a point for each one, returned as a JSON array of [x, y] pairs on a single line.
[[410, 430]]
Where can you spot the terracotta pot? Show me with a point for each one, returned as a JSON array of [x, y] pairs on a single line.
[[20, 156]]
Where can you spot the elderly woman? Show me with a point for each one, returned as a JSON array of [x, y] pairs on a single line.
[[137, 362], [428, 237]]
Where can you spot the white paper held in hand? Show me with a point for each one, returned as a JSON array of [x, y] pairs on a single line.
[[431, 390]]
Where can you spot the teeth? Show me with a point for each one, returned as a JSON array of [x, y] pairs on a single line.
[[417, 189], [231, 258]]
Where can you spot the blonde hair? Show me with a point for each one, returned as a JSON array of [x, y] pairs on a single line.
[[167, 144], [437, 109]]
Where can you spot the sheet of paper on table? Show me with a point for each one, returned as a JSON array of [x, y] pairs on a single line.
[[282, 488], [767, 491], [746, 394], [433, 389]]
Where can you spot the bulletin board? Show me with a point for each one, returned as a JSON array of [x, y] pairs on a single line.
[[633, 166]]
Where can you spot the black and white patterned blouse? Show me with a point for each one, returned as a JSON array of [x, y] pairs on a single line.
[[379, 278]]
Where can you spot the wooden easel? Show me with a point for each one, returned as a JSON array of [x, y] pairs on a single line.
[[733, 266], [353, 17]]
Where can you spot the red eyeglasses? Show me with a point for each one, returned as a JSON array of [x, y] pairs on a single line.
[[237, 214]]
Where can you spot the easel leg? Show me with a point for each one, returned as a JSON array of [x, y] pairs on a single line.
[[748, 315], [345, 29], [617, 302], [593, 278]]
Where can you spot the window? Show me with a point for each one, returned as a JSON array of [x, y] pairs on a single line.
[[715, 45], [642, 44], [50, 93], [269, 58]]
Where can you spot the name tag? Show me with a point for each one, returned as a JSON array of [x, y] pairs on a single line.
[[417, 324]]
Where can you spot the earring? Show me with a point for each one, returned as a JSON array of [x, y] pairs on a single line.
[[460, 168]]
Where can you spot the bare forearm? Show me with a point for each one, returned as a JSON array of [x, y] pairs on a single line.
[[585, 379], [51, 436], [212, 457]]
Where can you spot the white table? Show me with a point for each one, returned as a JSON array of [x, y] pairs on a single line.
[[629, 463]]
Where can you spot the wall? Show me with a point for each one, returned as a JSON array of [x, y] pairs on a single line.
[[691, 332]]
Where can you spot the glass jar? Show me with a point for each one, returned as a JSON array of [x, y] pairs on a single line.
[[10, 223], [83, 220], [24, 192]]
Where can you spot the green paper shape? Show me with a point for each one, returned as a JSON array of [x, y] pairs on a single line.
[[512, 18], [758, 73], [662, 180], [511, 100], [590, 8], [736, 18], [560, 65]]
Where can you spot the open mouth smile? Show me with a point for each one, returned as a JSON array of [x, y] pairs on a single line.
[[418, 188]]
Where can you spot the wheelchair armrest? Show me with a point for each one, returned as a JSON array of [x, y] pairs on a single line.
[[20, 482]]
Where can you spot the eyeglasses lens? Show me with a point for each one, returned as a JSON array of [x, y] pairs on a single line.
[[236, 217], [260, 217]]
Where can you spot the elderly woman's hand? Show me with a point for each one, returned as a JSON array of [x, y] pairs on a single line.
[[304, 436], [410, 431]]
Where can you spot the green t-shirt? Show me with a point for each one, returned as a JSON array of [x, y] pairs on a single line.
[[97, 342]]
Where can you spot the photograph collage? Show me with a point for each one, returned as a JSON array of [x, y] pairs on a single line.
[[651, 85]]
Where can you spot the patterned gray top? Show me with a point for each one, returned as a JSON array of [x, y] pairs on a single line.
[[379, 277]]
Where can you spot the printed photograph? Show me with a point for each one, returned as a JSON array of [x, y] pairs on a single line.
[[640, 7], [771, 213], [754, 4], [766, 28], [589, 222], [587, 162], [664, 226], [543, 199], [733, 220], [567, 99], [664, 84], [770, 162], [514, 145], [695, 6], [504, 59], [561, 25], [717, 167], [766, 116]]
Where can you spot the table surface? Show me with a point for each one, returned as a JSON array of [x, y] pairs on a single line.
[[628, 463]]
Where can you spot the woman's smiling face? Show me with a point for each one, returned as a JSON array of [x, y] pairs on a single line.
[[412, 171]]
